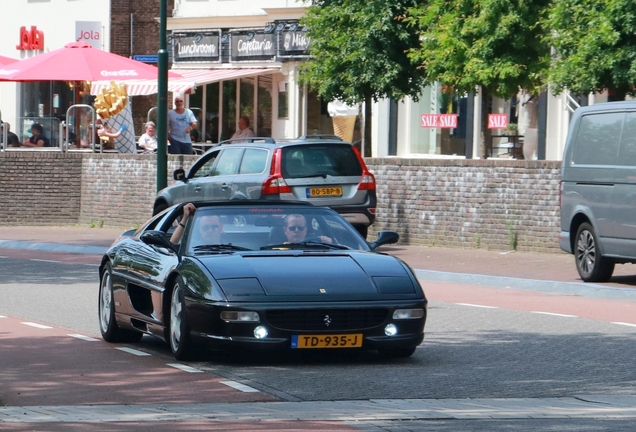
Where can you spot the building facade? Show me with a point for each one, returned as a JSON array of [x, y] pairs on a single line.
[[31, 27]]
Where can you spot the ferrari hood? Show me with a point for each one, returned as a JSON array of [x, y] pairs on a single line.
[[310, 274]]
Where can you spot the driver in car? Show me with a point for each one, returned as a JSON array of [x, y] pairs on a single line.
[[296, 229], [209, 227]]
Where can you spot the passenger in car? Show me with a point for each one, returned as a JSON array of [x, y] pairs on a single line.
[[295, 229]]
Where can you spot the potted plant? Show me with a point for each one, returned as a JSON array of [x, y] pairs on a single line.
[[513, 129]]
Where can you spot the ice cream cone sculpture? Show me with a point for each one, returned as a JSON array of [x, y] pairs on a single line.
[[343, 117]]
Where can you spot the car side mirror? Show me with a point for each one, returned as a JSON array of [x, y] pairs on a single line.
[[179, 175], [158, 238], [384, 237]]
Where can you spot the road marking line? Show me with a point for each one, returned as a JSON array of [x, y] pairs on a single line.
[[82, 337], [240, 387], [93, 265], [133, 351], [3, 257], [479, 306], [554, 314], [41, 260], [2, 316], [184, 368], [40, 326], [625, 324]]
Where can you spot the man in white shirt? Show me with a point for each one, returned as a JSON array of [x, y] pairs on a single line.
[[243, 130]]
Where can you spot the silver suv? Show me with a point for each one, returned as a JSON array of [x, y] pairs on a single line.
[[322, 170]]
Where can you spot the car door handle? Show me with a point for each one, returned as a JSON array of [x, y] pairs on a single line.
[[225, 186], [197, 189]]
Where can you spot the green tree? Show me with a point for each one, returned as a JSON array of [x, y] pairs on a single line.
[[359, 53], [493, 44], [595, 46]]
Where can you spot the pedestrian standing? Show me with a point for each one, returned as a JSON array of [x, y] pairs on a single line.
[[181, 122]]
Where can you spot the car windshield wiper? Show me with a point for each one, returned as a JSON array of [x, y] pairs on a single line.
[[305, 245], [220, 248]]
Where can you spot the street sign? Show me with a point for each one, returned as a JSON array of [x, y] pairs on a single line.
[[146, 58]]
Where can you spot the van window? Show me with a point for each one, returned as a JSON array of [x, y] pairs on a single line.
[[628, 141], [598, 139]]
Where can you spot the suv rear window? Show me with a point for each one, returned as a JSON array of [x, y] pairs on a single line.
[[309, 160]]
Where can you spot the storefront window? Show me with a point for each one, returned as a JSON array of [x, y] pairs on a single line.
[[247, 101], [438, 122], [264, 106], [46, 103], [229, 110]]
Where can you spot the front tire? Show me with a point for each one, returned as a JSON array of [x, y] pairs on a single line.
[[106, 309], [591, 265], [179, 333]]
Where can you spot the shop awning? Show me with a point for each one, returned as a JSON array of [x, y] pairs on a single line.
[[191, 79]]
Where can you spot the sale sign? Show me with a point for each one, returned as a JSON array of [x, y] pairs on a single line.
[[443, 121], [497, 121]]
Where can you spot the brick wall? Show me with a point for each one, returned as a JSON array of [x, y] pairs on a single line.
[[469, 203], [145, 40], [488, 204], [40, 188]]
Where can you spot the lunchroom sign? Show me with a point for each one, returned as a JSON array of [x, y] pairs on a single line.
[[195, 46]]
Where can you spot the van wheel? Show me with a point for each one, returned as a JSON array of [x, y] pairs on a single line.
[[591, 265]]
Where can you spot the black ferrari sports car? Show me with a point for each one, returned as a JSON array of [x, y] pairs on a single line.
[[261, 276]]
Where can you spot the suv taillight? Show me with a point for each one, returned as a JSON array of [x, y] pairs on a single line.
[[367, 182], [275, 183]]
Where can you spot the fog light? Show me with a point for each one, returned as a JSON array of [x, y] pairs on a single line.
[[237, 316], [408, 313], [260, 332], [390, 330]]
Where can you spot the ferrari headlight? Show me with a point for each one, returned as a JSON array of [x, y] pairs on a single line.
[[240, 316], [401, 314]]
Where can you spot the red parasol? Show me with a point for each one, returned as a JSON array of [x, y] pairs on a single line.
[[78, 61], [6, 60]]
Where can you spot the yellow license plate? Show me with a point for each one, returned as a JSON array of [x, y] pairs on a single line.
[[335, 191], [327, 341]]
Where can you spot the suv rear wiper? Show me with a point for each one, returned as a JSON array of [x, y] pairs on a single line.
[[305, 245], [220, 248], [321, 174]]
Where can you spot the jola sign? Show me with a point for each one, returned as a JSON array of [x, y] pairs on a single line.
[[31, 39]]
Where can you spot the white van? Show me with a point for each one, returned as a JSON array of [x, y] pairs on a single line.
[[598, 189]]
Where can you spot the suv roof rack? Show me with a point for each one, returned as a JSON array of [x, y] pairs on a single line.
[[321, 137], [266, 140]]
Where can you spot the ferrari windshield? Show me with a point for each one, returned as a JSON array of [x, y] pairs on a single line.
[[225, 229]]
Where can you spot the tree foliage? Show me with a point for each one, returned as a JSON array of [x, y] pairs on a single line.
[[496, 44], [595, 46], [359, 53], [360, 47]]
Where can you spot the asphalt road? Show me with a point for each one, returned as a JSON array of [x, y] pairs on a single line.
[[480, 343]]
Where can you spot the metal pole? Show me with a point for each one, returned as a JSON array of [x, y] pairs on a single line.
[[162, 101]]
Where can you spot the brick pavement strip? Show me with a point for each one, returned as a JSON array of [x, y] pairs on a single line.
[[588, 406]]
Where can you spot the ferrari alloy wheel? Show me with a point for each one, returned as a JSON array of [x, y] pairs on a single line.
[[179, 329], [591, 265], [107, 323]]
